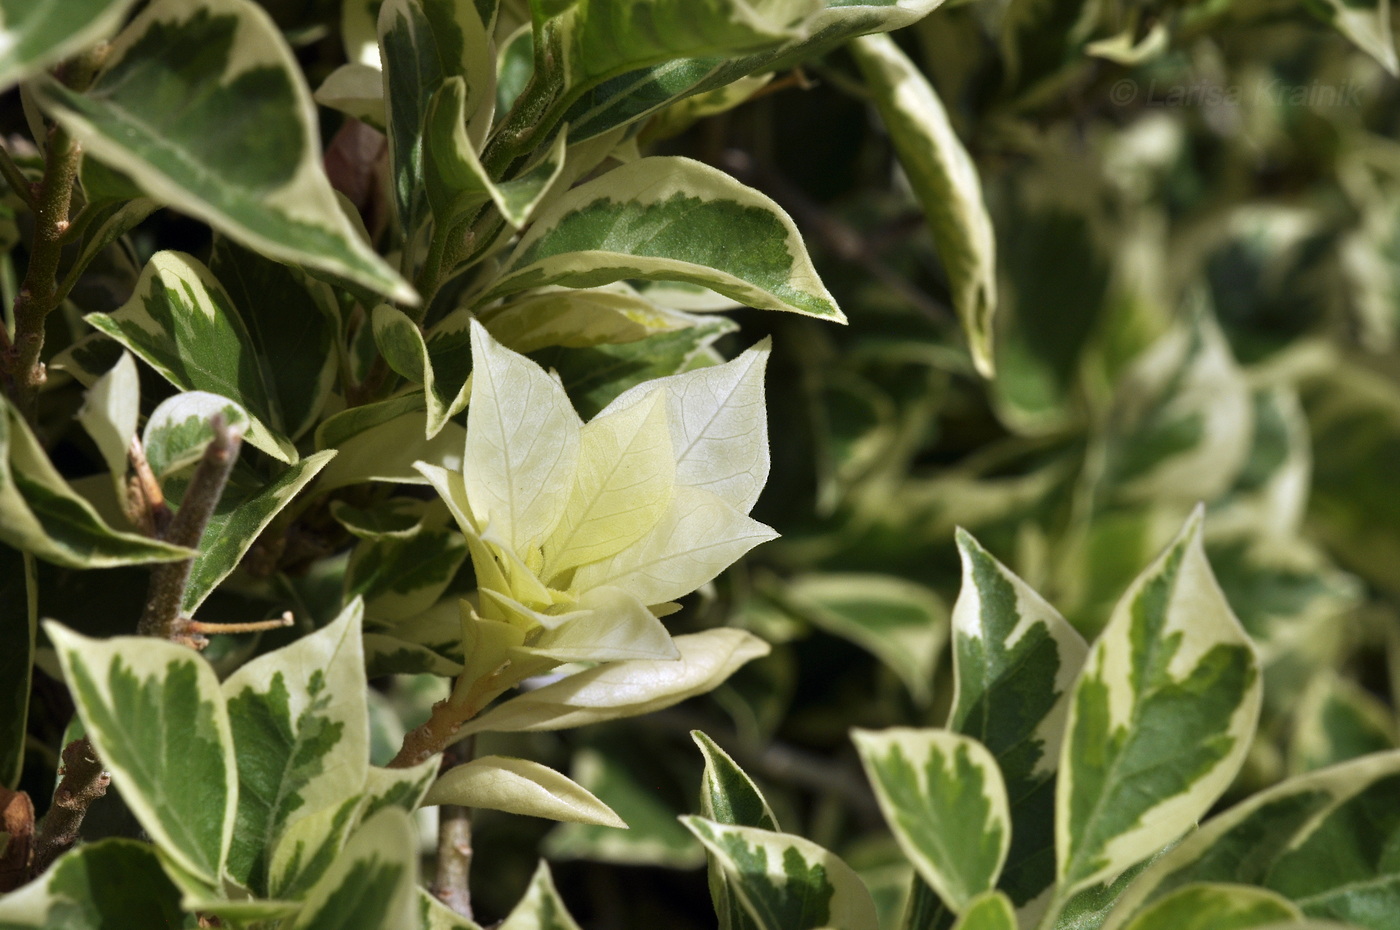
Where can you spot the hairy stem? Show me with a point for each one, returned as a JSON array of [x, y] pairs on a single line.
[[84, 781], [169, 579]]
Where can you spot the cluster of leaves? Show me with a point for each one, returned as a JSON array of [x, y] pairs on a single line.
[[472, 345]]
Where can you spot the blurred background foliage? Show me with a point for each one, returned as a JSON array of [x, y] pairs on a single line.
[[1197, 217]]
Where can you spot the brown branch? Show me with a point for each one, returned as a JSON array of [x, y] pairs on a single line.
[[169, 579], [84, 781], [451, 882], [16, 820]]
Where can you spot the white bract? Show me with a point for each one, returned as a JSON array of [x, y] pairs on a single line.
[[582, 534]]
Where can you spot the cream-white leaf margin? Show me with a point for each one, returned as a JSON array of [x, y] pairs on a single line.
[[945, 181], [110, 413], [520, 786], [1179, 594], [306, 198], [627, 688], [176, 799], [578, 241]]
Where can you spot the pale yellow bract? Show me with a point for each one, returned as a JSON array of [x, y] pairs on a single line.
[[581, 534]]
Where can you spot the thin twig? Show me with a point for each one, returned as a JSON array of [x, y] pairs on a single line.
[[451, 882], [145, 499], [84, 781], [169, 579]]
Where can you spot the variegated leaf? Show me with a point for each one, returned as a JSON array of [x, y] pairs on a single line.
[[1320, 840], [161, 109], [438, 361], [434, 915], [41, 514], [19, 626], [520, 786], [42, 34], [672, 219], [373, 881], [945, 181], [381, 441], [240, 516], [541, 908], [301, 734], [293, 323], [112, 882], [1180, 430], [110, 414], [1160, 719], [424, 43], [729, 796], [357, 90], [153, 711], [179, 429], [595, 376], [639, 93], [401, 788], [308, 848], [1336, 720], [944, 799], [579, 318], [183, 324], [1367, 24], [617, 775], [785, 882], [1215, 906], [402, 578], [902, 623], [428, 642], [627, 688], [989, 911], [1014, 661]]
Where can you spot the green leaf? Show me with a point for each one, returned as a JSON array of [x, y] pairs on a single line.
[[434, 915], [944, 180], [1323, 840], [401, 788], [183, 324], [1207, 906], [904, 624], [154, 713], [240, 516], [520, 786], [1014, 661], [625, 688], [41, 514], [785, 882], [428, 642], [666, 218], [423, 44], [110, 883], [638, 93], [372, 882], [41, 34], [203, 105], [381, 441], [653, 836], [1183, 419], [595, 376], [437, 362], [579, 318], [301, 734], [1337, 720], [588, 42], [402, 578], [541, 908], [293, 325], [1160, 718], [942, 795], [178, 430], [19, 623], [991, 910]]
